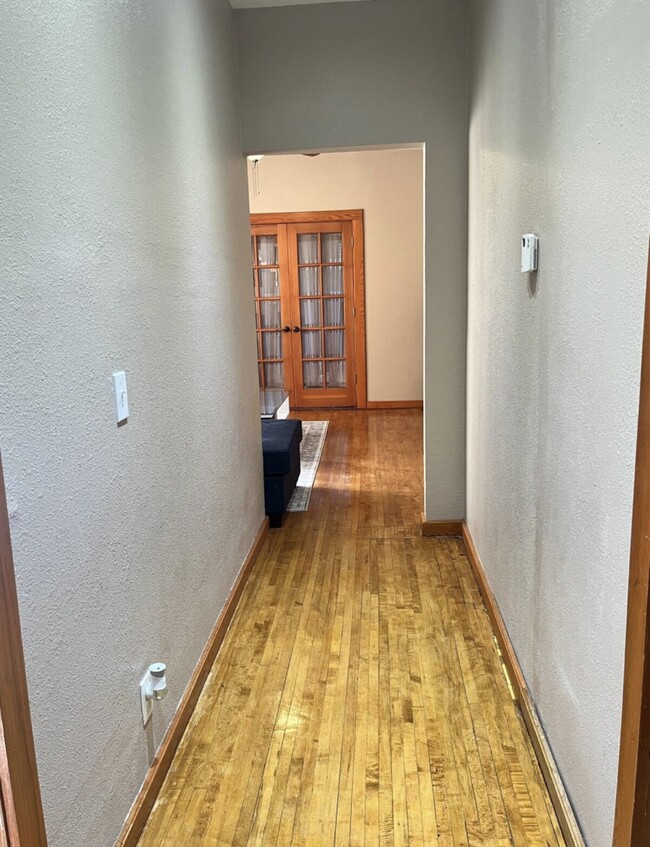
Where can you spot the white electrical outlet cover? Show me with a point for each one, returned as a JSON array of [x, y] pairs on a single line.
[[529, 244], [121, 396], [145, 704]]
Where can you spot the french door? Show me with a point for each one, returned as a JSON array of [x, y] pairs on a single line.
[[309, 321], [272, 309]]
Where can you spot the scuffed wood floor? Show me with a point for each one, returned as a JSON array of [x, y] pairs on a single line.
[[358, 698]]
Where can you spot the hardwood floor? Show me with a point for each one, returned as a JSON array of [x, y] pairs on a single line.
[[358, 698]]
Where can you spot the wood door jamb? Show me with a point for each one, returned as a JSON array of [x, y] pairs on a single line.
[[275, 218], [19, 776], [632, 817]]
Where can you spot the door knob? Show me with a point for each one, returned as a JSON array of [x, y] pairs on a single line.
[[286, 329], [296, 329]]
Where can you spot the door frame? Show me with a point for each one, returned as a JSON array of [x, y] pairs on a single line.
[[19, 788], [355, 216], [632, 818]]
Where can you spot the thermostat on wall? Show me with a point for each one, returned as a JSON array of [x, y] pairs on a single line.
[[528, 253]]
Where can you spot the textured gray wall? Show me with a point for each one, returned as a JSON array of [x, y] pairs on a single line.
[[358, 74], [123, 244], [559, 129]]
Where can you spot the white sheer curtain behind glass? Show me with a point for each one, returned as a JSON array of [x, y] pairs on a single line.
[[320, 275], [308, 281], [311, 345], [334, 344], [332, 247], [308, 249], [333, 312], [270, 313], [333, 279], [310, 313], [266, 280], [336, 374], [269, 282], [313, 374], [271, 345], [274, 375], [267, 249]]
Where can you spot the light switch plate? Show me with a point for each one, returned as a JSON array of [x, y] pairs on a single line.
[[529, 247], [121, 396]]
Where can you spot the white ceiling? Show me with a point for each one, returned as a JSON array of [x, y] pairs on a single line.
[[257, 4]]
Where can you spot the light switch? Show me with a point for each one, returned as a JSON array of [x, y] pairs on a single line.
[[529, 247], [121, 396]]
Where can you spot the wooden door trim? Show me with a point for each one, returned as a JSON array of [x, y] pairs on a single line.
[[306, 217], [288, 358], [356, 217], [359, 301], [632, 818], [25, 818]]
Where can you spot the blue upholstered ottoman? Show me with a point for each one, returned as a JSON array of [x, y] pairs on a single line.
[[281, 450]]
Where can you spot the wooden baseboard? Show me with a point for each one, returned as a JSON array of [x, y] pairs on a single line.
[[394, 404], [441, 528], [144, 802], [561, 803], [509, 656]]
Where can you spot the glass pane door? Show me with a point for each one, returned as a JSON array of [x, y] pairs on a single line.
[[273, 349], [322, 270]]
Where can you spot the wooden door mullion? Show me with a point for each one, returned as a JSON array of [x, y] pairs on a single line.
[[285, 311], [321, 310], [348, 306], [293, 306]]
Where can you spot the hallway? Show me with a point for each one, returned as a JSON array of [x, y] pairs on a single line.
[[358, 697]]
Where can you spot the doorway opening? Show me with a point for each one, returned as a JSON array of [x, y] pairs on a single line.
[[339, 294]]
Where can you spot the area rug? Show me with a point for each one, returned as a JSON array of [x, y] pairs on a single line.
[[311, 448]]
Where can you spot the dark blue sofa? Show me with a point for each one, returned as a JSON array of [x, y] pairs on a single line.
[[281, 450]]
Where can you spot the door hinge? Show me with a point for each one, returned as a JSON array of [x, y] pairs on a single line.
[[356, 379], [354, 311], [352, 241]]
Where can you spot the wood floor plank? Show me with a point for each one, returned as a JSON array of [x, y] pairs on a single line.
[[349, 709], [372, 820], [358, 699], [307, 712], [263, 829], [385, 761]]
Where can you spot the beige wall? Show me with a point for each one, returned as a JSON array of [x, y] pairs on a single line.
[[122, 245], [560, 121], [388, 186]]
